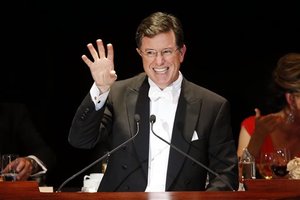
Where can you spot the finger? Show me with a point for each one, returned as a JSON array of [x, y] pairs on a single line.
[[19, 165], [7, 168], [11, 166], [24, 174], [110, 53], [24, 170], [257, 112], [93, 51], [113, 74], [87, 61], [274, 118], [101, 49]]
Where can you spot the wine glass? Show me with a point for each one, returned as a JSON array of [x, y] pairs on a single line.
[[9, 173], [264, 166], [281, 157]]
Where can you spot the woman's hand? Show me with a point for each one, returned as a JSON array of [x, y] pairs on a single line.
[[266, 124]]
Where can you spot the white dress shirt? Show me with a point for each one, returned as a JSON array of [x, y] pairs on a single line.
[[163, 105]]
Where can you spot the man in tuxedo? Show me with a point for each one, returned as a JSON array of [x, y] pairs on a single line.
[[20, 136], [190, 117]]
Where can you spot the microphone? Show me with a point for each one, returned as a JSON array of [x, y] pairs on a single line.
[[152, 121], [137, 119]]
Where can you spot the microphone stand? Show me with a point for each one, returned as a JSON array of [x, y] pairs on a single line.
[[137, 118], [152, 121]]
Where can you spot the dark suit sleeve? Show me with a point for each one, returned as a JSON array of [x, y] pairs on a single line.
[[84, 130]]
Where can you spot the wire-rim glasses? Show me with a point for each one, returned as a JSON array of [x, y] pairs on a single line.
[[152, 53]]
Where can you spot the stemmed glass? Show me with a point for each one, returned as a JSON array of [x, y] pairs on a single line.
[[264, 166], [281, 157]]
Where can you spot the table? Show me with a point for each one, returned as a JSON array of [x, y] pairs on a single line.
[[28, 190]]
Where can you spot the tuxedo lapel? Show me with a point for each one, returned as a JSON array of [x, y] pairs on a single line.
[[187, 115], [138, 103], [184, 126]]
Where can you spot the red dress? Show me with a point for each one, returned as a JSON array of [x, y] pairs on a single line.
[[249, 124]]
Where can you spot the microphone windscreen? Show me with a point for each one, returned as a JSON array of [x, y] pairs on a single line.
[[137, 117], [152, 118]]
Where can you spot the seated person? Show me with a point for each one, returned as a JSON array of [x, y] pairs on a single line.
[[19, 136], [279, 129]]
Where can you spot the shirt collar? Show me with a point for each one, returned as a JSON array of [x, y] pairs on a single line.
[[169, 92]]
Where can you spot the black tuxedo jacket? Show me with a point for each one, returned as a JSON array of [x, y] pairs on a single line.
[[198, 110]]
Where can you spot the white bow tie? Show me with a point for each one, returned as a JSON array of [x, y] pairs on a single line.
[[155, 94]]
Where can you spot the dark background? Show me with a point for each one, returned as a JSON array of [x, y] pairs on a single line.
[[232, 48]]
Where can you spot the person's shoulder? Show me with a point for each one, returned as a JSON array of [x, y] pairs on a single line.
[[141, 76], [131, 82], [249, 124], [248, 120], [201, 92]]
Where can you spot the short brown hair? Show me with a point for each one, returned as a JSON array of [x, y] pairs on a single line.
[[159, 22]]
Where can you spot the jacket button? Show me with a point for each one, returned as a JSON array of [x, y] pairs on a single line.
[[124, 166]]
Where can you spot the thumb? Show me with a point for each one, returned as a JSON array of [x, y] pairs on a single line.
[[257, 112]]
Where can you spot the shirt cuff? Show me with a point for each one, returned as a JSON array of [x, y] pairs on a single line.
[[40, 163], [97, 97]]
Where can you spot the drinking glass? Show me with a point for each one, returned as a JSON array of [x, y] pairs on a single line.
[[8, 172], [264, 166], [281, 157]]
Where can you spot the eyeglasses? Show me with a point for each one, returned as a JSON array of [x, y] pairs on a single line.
[[151, 53]]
